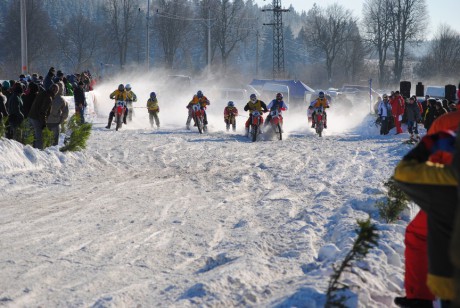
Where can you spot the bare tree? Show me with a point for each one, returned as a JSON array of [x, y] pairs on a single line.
[[407, 26], [351, 58], [443, 57], [327, 31], [377, 31], [79, 39], [231, 26], [172, 22], [41, 38], [122, 18]]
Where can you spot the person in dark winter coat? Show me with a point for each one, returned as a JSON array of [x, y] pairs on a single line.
[[384, 112], [440, 110], [413, 117], [80, 101], [430, 113], [48, 81], [15, 113], [39, 112], [29, 98]]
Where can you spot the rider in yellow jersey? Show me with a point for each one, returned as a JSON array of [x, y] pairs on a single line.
[[252, 105]]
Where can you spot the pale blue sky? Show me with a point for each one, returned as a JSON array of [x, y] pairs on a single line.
[[440, 11]]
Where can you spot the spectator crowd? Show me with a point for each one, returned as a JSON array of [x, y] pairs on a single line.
[[37, 102]]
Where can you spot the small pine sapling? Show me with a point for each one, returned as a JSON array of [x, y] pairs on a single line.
[[25, 133], [3, 126], [366, 240], [48, 137], [79, 135], [395, 202]]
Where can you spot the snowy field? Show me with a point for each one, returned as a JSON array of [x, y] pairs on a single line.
[[172, 218]]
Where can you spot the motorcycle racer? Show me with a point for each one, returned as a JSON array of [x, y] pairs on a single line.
[[230, 114], [320, 102], [119, 94], [252, 105], [277, 104], [198, 98]]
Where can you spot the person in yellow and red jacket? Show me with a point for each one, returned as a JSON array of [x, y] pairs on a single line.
[[416, 256], [253, 105], [320, 102], [230, 114], [119, 94], [434, 187], [198, 98], [153, 109], [131, 97]]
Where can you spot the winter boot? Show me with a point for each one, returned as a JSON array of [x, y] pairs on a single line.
[[247, 132], [413, 302], [228, 127], [234, 128], [110, 123]]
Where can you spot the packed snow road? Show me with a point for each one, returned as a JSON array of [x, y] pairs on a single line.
[[146, 218]]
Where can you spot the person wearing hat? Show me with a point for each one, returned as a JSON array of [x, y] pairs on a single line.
[[48, 81], [384, 112], [80, 101], [413, 117], [5, 88], [15, 113], [397, 108]]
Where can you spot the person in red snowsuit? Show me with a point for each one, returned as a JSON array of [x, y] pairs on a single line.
[[416, 254], [397, 108]]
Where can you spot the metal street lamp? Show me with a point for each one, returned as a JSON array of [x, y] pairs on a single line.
[[24, 68]]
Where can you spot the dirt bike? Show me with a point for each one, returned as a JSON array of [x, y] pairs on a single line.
[[276, 121], [320, 118], [198, 117], [255, 124], [119, 113]]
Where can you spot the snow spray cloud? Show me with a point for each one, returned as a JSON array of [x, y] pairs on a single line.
[[174, 92]]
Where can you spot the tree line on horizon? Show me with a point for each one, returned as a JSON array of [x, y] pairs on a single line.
[[324, 46]]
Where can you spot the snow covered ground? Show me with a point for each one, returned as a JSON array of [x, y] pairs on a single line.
[[146, 218]]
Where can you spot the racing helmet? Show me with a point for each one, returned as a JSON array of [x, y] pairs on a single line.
[[253, 97], [121, 87], [153, 95], [321, 94], [230, 104], [128, 86], [199, 94], [279, 96]]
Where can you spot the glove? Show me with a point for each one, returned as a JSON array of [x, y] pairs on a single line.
[[442, 141], [158, 109]]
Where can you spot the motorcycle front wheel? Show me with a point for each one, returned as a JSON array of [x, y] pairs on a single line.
[[279, 132], [255, 130], [119, 122], [199, 124]]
